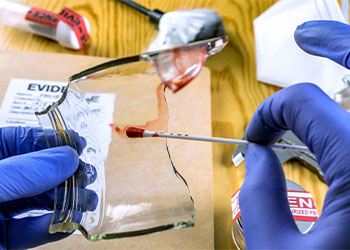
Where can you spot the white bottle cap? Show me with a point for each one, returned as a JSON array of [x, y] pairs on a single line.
[[66, 37]]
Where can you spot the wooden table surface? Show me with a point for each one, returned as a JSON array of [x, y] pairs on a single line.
[[118, 31]]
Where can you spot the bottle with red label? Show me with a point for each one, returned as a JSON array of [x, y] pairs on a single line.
[[68, 28]]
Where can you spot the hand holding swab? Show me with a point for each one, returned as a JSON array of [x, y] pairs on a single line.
[[133, 132]]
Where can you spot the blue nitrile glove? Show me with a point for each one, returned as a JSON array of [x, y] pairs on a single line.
[[325, 38], [325, 128], [28, 174]]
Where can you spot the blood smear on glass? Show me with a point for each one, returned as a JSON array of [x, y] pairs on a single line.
[[158, 124]]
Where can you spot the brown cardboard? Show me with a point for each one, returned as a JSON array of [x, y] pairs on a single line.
[[190, 113]]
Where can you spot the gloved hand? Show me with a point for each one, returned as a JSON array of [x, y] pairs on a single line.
[[28, 174], [324, 127], [325, 38]]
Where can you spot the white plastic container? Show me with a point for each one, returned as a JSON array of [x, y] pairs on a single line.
[[14, 14]]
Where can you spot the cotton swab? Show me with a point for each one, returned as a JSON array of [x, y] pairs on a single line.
[[133, 132]]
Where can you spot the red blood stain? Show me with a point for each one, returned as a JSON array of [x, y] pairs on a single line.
[[183, 61], [155, 135], [121, 132], [154, 125], [192, 59]]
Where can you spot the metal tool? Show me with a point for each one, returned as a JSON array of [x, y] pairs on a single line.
[[154, 15], [343, 96], [307, 159]]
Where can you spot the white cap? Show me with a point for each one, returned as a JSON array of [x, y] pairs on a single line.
[[66, 37]]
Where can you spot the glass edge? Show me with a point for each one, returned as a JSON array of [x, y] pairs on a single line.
[[142, 56], [71, 226], [54, 104], [216, 46], [224, 40], [103, 66]]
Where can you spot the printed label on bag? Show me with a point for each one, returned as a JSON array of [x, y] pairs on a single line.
[[76, 22], [43, 17], [301, 205]]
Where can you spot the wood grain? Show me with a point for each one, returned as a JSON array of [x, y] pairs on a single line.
[[119, 31]]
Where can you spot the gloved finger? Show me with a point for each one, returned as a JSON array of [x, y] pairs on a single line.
[[266, 216], [34, 173], [316, 119], [22, 140], [86, 174], [325, 38], [71, 138], [31, 232], [87, 201]]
